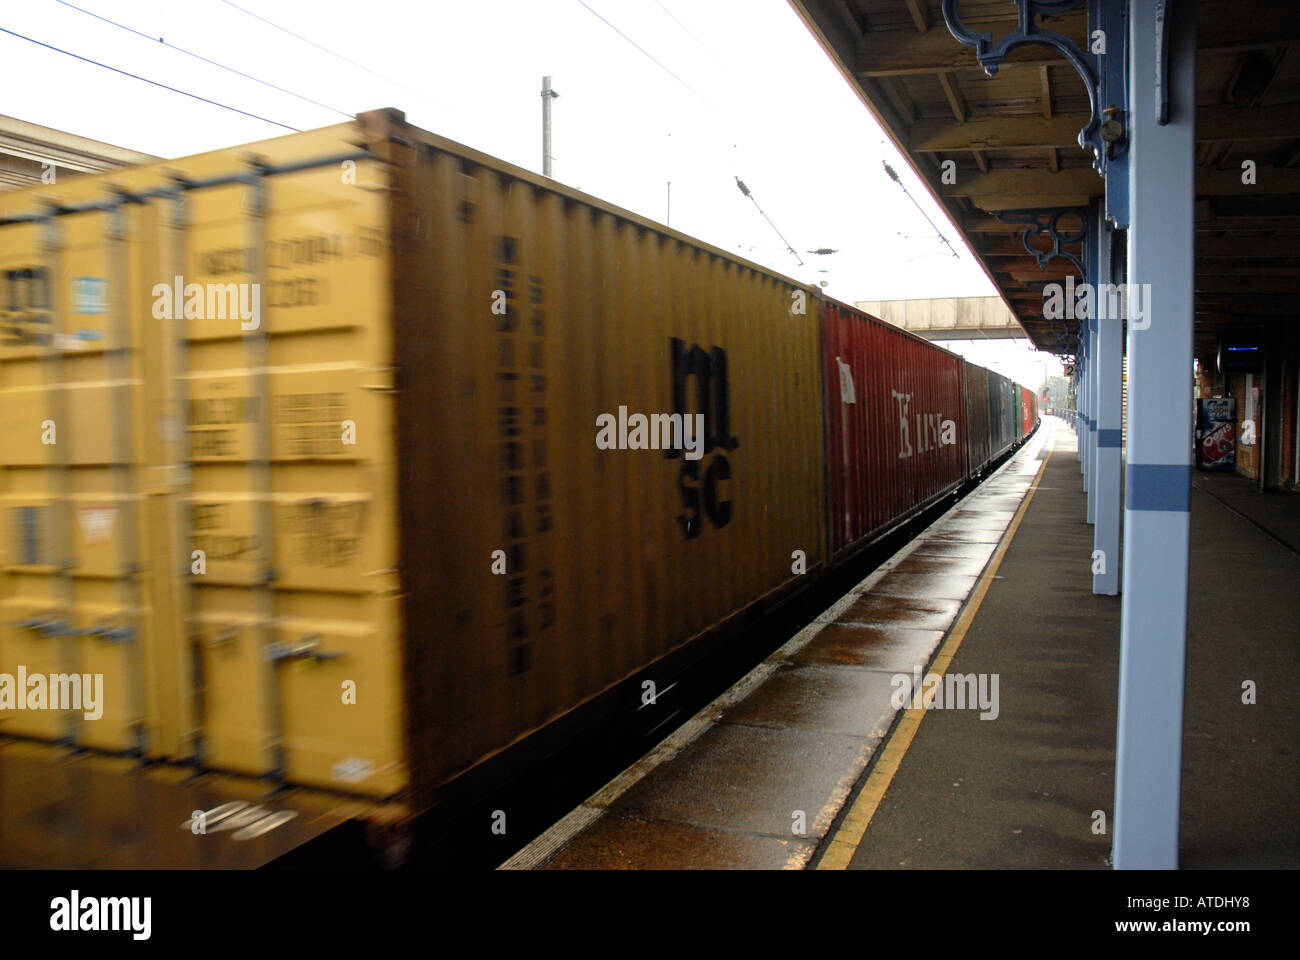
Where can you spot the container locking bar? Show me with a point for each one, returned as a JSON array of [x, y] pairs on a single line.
[[308, 647]]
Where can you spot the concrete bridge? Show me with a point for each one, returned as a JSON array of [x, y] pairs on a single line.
[[949, 318]]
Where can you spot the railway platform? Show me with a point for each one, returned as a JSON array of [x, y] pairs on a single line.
[[758, 778], [1024, 792], [826, 756]]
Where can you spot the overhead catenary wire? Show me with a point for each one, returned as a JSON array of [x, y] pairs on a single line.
[[745, 190], [736, 87], [323, 49], [893, 175], [652, 57], [729, 78], [699, 95], [190, 53], [687, 31], [590, 10], [725, 72], [135, 76]]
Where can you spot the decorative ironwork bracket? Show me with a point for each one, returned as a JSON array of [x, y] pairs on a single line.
[[990, 57], [1034, 226], [1103, 70], [1047, 223]]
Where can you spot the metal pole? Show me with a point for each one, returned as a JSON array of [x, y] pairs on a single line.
[[1075, 399], [1093, 437], [1088, 330], [547, 96], [1081, 404], [1153, 637], [1087, 436], [1110, 362], [1094, 366], [1085, 403]]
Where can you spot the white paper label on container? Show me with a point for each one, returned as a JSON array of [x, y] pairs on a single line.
[[846, 383], [96, 523]]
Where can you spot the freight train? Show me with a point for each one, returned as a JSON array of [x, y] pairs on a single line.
[[300, 454]]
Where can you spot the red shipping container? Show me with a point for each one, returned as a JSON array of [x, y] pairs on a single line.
[[895, 425]]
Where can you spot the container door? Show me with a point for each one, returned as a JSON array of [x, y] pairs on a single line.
[[197, 484], [71, 604]]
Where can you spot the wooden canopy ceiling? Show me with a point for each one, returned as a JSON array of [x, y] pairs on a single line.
[[1013, 140]]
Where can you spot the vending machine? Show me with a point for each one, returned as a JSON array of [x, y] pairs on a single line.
[[1216, 429]]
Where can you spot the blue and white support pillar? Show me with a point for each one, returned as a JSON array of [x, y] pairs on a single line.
[[1079, 400], [1094, 372], [1090, 325], [1085, 448], [1082, 428], [1081, 406], [1153, 634], [1086, 437], [1109, 362], [1078, 395]]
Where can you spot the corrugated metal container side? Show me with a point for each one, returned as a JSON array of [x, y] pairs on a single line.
[[1012, 407], [888, 397], [1019, 400], [369, 535], [975, 384], [1002, 414], [197, 480], [227, 494], [525, 314], [996, 442], [1028, 418]]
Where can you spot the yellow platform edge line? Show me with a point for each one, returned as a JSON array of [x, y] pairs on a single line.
[[844, 844]]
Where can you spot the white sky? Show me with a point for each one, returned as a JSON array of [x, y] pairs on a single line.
[[768, 106]]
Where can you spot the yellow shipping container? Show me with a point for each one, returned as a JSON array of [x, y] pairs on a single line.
[[325, 453]]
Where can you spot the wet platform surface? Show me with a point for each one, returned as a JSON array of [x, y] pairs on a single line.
[[1277, 514], [80, 812], [756, 780], [1024, 791]]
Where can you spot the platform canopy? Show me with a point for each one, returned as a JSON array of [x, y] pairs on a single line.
[[1012, 139]]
